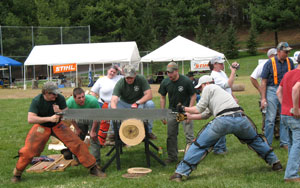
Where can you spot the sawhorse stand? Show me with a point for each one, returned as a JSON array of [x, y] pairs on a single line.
[[118, 147]]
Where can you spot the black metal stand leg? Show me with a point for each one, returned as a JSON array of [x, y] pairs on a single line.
[[146, 141], [117, 147], [147, 150]]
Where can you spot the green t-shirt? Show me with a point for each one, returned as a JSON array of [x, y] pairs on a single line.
[[44, 108], [133, 92], [90, 102], [179, 91]]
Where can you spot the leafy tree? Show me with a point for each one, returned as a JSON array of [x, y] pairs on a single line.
[[231, 43]]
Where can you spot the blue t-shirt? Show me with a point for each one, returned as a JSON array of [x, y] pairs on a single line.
[[282, 68]]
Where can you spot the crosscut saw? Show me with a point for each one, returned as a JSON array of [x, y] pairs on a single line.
[[116, 114]]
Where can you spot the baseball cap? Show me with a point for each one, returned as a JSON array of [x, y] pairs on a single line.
[[283, 46], [297, 56], [129, 71], [204, 79], [51, 87], [172, 66], [272, 51], [217, 59]]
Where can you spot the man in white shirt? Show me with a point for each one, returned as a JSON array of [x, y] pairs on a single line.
[[253, 78]]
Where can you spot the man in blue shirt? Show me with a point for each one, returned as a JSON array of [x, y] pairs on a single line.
[[272, 74]]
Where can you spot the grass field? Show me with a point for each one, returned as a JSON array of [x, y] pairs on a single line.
[[241, 167]]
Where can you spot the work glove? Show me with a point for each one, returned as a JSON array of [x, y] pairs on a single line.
[[134, 106], [180, 108]]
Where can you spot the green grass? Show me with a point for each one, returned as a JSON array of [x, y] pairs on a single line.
[[241, 167]]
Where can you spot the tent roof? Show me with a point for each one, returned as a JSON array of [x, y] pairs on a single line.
[[90, 53], [180, 49], [6, 61]]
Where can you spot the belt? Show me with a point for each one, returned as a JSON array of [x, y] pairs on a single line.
[[237, 114]]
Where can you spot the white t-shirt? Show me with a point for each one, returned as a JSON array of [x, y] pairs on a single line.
[[104, 87], [221, 80], [258, 70]]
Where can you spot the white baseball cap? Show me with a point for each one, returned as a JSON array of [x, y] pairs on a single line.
[[272, 51], [204, 79], [297, 56], [217, 59]]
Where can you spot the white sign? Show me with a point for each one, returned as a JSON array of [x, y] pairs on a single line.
[[199, 65]]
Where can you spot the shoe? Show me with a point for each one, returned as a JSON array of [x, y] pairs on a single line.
[[286, 147], [95, 171], [169, 161], [17, 176], [152, 136], [292, 180], [15, 179], [220, 153], [176, 177], [277, 166]]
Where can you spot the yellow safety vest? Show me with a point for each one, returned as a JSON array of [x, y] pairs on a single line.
[[275, 69]]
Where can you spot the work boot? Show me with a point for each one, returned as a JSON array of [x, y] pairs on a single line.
[[277, 166], [292, 180], [152, 136], [95, 171], [17, 176], [176, 177], [169, 161]]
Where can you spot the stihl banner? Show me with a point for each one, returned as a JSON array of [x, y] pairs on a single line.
[[64, 68], [199, 65]]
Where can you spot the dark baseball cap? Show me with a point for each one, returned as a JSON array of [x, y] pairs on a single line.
[[283, 46], [172, 66]]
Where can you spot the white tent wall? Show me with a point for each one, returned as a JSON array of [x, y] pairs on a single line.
[[83, 54], [180, 49]]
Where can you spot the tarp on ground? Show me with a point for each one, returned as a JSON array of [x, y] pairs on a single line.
[[83, 54], [180, 49]]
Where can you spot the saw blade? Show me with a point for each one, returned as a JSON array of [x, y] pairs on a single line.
[[116, 114]]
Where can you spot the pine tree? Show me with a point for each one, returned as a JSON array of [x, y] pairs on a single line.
[[252, 40], [231, 43]]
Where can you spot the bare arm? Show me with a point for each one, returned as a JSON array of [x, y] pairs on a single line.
[[162, 106], [279, 94], [94, 94], [33, 118], [93, 132], [192, 110], [295, 97], [147, 96], [232, 75], [256, 84], [193, 100], [114, 102], [263, 92]]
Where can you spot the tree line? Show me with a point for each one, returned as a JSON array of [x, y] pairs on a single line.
[[151, 23]]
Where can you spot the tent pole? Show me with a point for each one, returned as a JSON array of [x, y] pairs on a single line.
[[24, 78], [76, 75], [50, 72], [47, 73], [10, 80], [103, 69], [182, 68], [147, 69], [142, 68]]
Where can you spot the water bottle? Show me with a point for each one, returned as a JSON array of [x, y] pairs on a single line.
[[264, 110], [160, 151]]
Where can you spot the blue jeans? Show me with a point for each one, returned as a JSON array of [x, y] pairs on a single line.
[[148, 104], [240, 126], [293, 127], [273, 104]]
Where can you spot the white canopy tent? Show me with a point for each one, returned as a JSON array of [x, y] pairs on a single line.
[[180, 49], [83, 54]]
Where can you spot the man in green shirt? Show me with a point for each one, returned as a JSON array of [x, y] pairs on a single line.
[[43, 114], [80, 100], [180, 89], [134, 92]]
